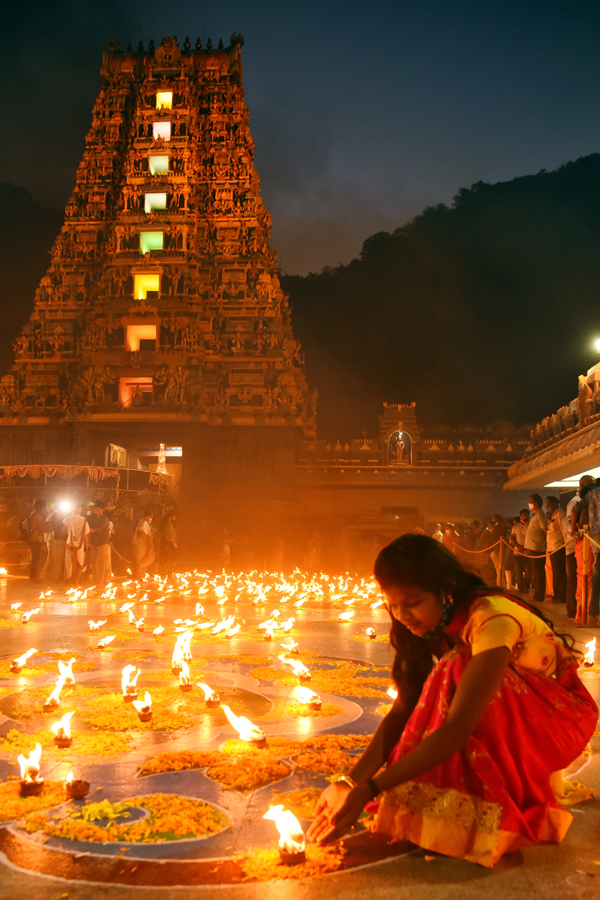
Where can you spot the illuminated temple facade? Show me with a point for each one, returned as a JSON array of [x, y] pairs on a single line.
[[161, 320]]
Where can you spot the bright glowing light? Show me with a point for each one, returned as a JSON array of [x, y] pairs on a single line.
[[144, 706], [53, 699], [305, 695], [30, 765], [65, 670], [26, 616], [129, 680], [65, 506], [297, 667], [209, 694], [95, 626], [164, 99], [63, 726], [392, 692], [590, 655], [244, 727], [291, 836], [106, 641], [21, 660]]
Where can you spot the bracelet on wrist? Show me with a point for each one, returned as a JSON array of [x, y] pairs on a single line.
[[345, 779], [372, 785]]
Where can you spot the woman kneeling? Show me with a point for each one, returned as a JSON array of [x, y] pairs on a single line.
[[489, 706]]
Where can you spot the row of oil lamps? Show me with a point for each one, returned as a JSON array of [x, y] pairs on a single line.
[[292, 842]]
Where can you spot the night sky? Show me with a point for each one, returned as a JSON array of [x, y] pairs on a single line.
[[362, 113]]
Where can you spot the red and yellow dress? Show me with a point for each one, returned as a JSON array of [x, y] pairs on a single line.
[[494, 795]]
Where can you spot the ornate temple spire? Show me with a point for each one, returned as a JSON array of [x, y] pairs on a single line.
[[162, 294]]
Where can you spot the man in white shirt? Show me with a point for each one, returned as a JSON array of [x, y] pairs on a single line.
[[77, 528], [517, 542], [555, 545], [535, 544]]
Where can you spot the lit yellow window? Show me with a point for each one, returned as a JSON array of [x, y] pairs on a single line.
[[164, 99], [154, 201], [134, 334], [158, 165], [161, 130], [151, 240], [143, 284]]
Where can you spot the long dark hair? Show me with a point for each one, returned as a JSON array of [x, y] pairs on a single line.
[[419, 561], [416, 560]]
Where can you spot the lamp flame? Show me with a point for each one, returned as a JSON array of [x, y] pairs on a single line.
[[371, 633], [128, 683], [106, 641], [305, 695], [125, 608], [209, 694], [20, 661], [15, 606], [158, 630], [30, 766], [69, 778], [590, 654], [291, 836], [26, 616], [95, 626], [392, 692], [291, 646], [244, 727], [65, 670], [54, 698], [62, 729], [144, 706], [297, 667], [184, 675], [346, 616]]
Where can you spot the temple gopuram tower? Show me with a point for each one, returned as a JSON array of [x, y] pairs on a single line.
[[161, 318]]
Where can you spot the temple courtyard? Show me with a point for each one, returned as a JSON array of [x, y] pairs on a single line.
[[177, 788]]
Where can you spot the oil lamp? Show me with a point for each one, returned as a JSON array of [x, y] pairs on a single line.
[[185, 682], [140, 624], [247, 731], [129, 683], [27, 616], [15, 606], [371, 634], [232, 631], [62, 731], [103, 644], [292, 843], [18, 663], [65, 670], [95, 626], [305, 695], [297, 667], [31, 782], [158, 630], [345, 616], [52, 702], [211, 697], [291, 646], [144, 708], [76, 788]]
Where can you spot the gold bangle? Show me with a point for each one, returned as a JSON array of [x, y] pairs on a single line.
[[346, 779]]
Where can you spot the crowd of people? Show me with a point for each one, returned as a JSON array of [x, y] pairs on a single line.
[[540, 551], [82, 545]]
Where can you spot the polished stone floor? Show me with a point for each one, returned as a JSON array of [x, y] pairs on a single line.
[[571, 870]]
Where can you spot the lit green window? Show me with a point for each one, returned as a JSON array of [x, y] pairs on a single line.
[[151, 240], [154, 201]]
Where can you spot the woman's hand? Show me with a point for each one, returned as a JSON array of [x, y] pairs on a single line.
[[337, 810]]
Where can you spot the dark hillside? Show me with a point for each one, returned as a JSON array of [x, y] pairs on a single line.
[[482, 311]]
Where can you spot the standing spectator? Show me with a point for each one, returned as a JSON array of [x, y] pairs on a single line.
[[56, 566], [37, 539], [517, 542], [486, 564], [590, 506], [143, 545], [77, 528], [438, 534], [570, 555], [555, 546], [99, 525], [449, 538], [535, 544], [168, 545], [476, 532]]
